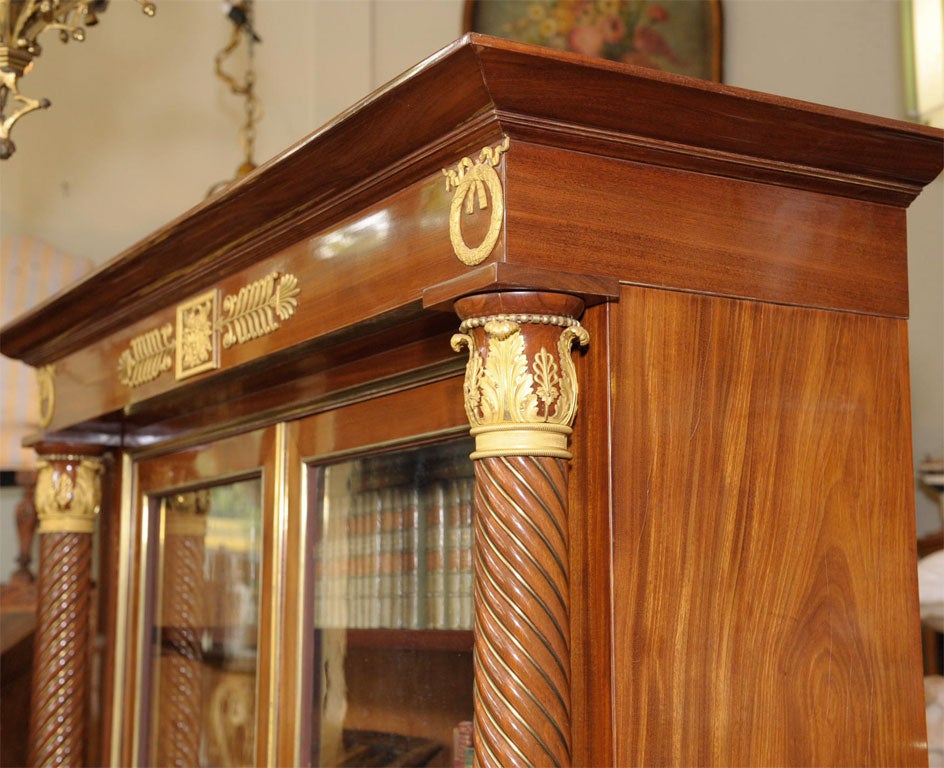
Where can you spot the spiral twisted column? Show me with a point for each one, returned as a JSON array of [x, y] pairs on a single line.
[[183, 612], [521, 400], [68, 498]]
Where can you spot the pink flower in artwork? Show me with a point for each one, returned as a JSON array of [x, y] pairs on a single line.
[[647, 40], [657, 13], [613, 29], [586, 39]]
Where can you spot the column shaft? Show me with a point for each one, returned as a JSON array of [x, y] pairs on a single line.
[[521, 399], [522, 612], [68, 495], [58, 707]]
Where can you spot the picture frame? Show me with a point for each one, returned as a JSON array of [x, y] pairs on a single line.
[[923, 47], [680, 36]]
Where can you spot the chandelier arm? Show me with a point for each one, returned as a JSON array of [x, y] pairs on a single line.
[[16, 32], [21, 24], [8, 87]]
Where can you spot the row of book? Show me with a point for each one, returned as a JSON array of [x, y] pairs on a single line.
[[395, 546]]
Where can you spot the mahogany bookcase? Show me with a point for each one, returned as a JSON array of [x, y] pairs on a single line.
[[684, 358]]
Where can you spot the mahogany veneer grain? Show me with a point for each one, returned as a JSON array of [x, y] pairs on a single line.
[[763, 536]]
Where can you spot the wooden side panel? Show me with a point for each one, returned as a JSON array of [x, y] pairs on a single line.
[[591, 693], [765, 607]]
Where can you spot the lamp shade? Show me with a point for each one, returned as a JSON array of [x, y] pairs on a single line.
[[30, 272]]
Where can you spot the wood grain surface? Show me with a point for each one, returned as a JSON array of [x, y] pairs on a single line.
[[764, 567], [730, 236], [589, 519]]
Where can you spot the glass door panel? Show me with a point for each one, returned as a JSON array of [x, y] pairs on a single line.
[[204, 681], [387, 496], [394, 547], [393, 605], [204, 571]]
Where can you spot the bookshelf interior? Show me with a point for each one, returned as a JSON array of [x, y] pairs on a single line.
[[392, 552]]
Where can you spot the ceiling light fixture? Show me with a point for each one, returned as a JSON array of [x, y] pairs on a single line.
[[21, 24]]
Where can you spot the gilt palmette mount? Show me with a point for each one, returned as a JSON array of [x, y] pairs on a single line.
[[204, 324], [518, 403]]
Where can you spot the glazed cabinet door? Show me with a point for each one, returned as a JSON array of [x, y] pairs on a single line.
[[302, 594], [387, 610], [202, 658]]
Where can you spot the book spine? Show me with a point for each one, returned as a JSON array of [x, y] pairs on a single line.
[[387, 577], [410, 559], [452, 554], [357, 585], [374, 565], [338, 560], [435, 557], [398, 560]]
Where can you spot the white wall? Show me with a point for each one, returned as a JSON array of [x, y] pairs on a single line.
[[140, 127]]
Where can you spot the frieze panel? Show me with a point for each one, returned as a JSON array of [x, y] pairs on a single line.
[[205, 322]]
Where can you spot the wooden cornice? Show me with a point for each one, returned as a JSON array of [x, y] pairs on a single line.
[[468, 94]]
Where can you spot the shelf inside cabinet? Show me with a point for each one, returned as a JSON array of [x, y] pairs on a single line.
[[456, 640]]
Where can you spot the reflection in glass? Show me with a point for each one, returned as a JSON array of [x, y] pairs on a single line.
[[207, 624], [392, 562]]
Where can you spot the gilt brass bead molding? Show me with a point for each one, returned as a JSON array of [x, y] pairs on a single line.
[[520, 405], [206, 322], [480, 322], [68, 493], [476, 180]]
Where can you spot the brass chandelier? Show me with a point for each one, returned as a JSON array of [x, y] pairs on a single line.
[[21, 24]]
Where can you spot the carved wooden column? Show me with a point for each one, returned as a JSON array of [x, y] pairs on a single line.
[[521, 399], [68, 496], [183, 611]]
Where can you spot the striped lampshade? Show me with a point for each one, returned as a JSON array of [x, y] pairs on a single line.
[[30, 272]]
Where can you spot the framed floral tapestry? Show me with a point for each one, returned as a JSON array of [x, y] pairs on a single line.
[[682, 36]]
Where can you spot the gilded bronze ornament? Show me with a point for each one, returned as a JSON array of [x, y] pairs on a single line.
[[68, 493], [515, 405], [193, 346], [21, 24], [46, 385], [197, 350], [476, 181], [151, 354]]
